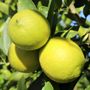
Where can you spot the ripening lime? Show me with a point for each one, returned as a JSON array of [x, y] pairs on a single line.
[[22, 60], [29, 30], [61, 60]]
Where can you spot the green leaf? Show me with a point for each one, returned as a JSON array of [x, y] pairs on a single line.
[[6, 73], [25, 4], [12, 88], [79, 9], [82, 83], [88, 87], [1, 80], [1, 22], [67, 2], [82, 31], [8, 1], [67, 21], [13, 6], [42, 9], [69, 33], [48, 86], [16, 76], [0, 17], [4, 38], [21, 85], [4, 8]]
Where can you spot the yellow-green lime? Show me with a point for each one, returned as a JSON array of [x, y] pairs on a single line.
[[61, 60], [22, 60], [28, 29]]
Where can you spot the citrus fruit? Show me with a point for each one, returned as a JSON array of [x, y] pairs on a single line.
[[28, 29], [61, 60], [22, 60]]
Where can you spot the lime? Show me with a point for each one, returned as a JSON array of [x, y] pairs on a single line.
[[22, 60], [61, 60], [29, 30]]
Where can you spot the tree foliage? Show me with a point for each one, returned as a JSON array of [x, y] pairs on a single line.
[[67, 18]]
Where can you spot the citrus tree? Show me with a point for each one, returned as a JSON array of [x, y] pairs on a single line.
[[44, 44]]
